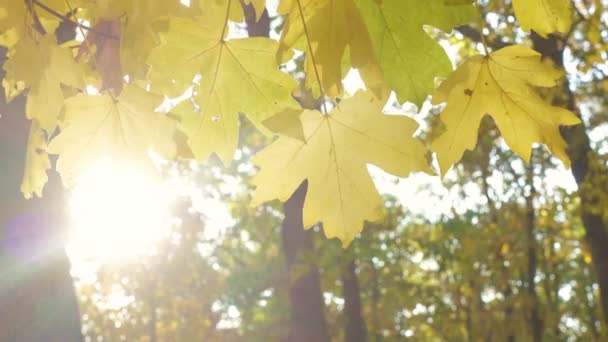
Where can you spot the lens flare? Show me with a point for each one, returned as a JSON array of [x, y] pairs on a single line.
[[117, 212]]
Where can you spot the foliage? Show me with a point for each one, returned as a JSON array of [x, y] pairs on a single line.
[[353, 134], [501, 85], [131, 52]]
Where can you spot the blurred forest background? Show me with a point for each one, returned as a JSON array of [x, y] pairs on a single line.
[[498, 250]]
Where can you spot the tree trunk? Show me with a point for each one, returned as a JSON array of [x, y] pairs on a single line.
[[508, 295], [305, 296], [307, 317], [37, 296], [256, 27], [354, 329], [536, 324], [376, 296], [580, 153]]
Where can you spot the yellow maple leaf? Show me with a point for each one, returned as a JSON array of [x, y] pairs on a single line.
[[334, 160], [137, 33], [501, 85], [15, 17], [544, 16], [325, 29], [36, 162], [237, 76], [228, 9], [43, 67], [97, 126]]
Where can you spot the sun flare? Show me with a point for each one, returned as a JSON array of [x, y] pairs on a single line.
[[117, 212]]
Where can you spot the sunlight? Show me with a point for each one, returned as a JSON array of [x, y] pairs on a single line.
[[117, 212]]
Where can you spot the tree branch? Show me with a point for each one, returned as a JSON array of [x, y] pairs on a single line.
[[75, 23]]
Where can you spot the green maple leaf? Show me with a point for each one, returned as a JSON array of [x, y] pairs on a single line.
[[410, 58], [334, 160]]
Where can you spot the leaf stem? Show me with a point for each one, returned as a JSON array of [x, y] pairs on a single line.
[[312, 57], [484, 43], [226, 20]]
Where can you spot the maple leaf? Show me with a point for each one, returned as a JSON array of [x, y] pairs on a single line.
[[287, 123], [12, 16], [334, 160], [324, 29], [36, 162], [410, 58], [16, 16], [501, 85], [43, 67], [544, 16], [231, 8], [98, 126], [124, 33], [238, 76]]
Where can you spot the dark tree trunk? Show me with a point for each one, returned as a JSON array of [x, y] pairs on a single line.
[[354, 329], [580, 153], [508, 294], [307, 317], [305, 296], [37, 296], [255, 27], [536, 324], [376, 296]]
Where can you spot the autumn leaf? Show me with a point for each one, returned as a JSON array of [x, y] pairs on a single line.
[[410, 58], [125, 32], [544, 16], [16, 16], [501, 85], [287, 123], [37, 162], [325, 29], [43, 67], [334, 160], [97, 126], [238, 76]]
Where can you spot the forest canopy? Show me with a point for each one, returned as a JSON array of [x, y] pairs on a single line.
[[311, 102], [133, 55]]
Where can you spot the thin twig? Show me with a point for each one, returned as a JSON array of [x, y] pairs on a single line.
[[37, 24], [80, 28], [84, 36], [312, 57], [66, 19]]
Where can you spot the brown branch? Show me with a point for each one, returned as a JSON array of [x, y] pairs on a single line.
[[476, 36], [312, 56], [75, 23]]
